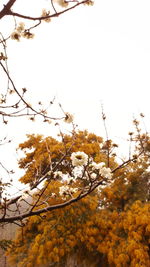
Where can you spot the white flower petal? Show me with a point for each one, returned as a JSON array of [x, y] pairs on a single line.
[[79, 158]]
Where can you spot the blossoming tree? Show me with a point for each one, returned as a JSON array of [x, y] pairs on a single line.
[[57, 173], [109, 226], [55, 160], [14, 26], [81, 162]]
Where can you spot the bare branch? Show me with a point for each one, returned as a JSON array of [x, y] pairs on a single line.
[[11, 13]]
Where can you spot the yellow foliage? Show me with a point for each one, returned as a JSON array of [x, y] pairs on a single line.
[[113, 226]]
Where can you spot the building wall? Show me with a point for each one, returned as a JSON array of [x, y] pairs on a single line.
[[6, 232]]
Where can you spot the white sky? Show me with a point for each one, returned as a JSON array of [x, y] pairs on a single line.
[[91, 55]]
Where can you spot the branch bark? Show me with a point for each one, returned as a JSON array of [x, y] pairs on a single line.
[[20, 217], [7, 8], [9, 12]]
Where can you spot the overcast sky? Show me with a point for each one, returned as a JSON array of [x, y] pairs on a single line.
[[92, 55], [88, 56]]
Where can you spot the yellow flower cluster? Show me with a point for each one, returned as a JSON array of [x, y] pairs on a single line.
[[112, 226]]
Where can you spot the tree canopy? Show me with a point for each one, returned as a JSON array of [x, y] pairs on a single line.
[[110, 225]]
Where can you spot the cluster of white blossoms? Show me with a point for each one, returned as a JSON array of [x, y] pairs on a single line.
[[103, 171], [106, 173], [79, 159], [21, 32], [77, 171], [66, 190], [97, 166], [95, 170]]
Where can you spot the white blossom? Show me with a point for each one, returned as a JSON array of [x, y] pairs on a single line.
[[106, 172], [15, 36], [20, 27], [100, 165], [73, 190], [46, 13], [63, 190], [69, 180], [93, 175], [97, 166], [100, 145], [79, 158], [66, 190], [49, 173], [66, 176], [68, 118], [78, 171], [27, 35]]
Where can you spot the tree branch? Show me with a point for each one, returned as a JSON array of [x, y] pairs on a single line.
[[6, 8], [11, 13], [50, 208]]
